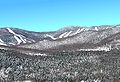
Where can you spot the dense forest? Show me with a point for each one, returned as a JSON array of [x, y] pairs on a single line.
[[83, 66]]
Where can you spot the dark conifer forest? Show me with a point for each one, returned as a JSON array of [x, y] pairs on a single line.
[[83, 66]]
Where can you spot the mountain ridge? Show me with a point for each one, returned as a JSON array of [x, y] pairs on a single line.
[[62, 37]]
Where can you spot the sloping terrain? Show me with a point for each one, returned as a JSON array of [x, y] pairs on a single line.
[[70, 54], [14, 36], [67, 36], [81, 66], [84, 38]]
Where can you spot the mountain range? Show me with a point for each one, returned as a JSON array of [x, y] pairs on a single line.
[[71, 38], [70, 54]]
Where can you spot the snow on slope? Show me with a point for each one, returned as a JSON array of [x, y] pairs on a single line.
[[71, 33], [18, 40], [78, 31], [37, 54], [18, 37], [2, 42], [62, 35], [96, 28], [51, 37], [68, 34]]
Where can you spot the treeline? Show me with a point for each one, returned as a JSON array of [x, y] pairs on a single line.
[[60, 67]]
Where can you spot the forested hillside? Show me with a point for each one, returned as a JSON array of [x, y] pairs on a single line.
[[84, 66]]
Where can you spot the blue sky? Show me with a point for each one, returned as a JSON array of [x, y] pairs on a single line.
[[50, 15]]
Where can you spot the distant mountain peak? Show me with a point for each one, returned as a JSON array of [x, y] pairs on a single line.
[[65, 36]]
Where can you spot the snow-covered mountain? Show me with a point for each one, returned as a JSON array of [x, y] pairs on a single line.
[[75, 53], [14, 36], [71, 37]]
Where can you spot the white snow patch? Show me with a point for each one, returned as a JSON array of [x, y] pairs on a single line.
[[37, 54], [79, 31], [62, 35], [18, 40], [2, 42], [27, 81], [51, 37], [12, 43], [82, 81], [76, 32], [21, 38], [17, 36], [97, 49], [10, 31], [68, 34], [96, 28], [101, 71]]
